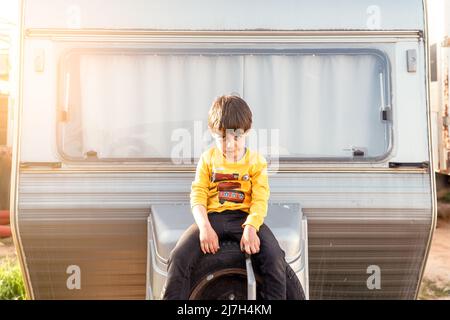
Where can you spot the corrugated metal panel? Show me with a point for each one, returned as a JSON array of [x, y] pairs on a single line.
[[342, 249], [98, 222]]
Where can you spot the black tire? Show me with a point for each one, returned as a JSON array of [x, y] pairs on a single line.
[[294, 289], [223, 276]]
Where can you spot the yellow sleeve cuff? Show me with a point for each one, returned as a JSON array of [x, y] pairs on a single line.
[[254, 220]]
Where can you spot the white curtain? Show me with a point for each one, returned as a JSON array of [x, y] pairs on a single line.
[[143, 105], [321, 105]]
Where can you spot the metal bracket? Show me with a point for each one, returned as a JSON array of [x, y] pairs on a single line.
[[357, 151], [411, 58], [423, 164], [386, 114]]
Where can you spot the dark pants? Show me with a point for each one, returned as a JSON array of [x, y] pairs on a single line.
[[228, 226]]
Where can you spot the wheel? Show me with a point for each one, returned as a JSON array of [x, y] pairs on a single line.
[[294, 289], [223, 276]]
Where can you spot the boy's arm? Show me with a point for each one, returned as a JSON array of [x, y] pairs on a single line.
[[260, 195], [209, 242], [200, 185], [200, 216]]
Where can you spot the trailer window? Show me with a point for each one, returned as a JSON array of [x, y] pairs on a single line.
[[153, 105]]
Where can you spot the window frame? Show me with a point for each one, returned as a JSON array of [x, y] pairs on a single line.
[[269, 49]]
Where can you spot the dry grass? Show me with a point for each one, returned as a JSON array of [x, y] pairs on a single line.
[[434, 290]]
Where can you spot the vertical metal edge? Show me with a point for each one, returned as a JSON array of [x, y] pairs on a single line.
[[251, 281], [430, 151], [305, 256], [16, 159], [148, 285]]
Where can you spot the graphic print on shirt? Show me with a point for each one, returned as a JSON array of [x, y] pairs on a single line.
[[232, 196], [228, 185], [228, 190], [215, 177]]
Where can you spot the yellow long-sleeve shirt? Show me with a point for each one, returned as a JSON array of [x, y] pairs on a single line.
[[223, 185]]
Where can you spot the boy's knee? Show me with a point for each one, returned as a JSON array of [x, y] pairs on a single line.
[[269, 244], [184, 255], [271, 256], [273, 251], [276, 257], [273, 266], [178, 256], [186, 247]]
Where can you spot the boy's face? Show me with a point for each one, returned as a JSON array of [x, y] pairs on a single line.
[[231, 142]]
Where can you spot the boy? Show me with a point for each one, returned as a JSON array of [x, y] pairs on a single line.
[[229, 202]]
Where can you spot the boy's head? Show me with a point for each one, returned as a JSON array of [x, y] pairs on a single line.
[[229, 120]]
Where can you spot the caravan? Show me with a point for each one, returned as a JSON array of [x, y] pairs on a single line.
[[113, 95]]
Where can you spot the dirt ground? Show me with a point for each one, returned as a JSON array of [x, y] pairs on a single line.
[[436, 279], [7, 248]]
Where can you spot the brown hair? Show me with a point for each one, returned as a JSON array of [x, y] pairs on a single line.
[[229, 112]]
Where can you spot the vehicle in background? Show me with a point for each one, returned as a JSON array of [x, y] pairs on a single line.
[[439, 42]]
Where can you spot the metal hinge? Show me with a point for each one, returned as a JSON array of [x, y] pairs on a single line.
[[423, 164], [54, 165]]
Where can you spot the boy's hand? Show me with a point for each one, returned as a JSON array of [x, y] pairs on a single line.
[[209, 241], [250, 241]]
